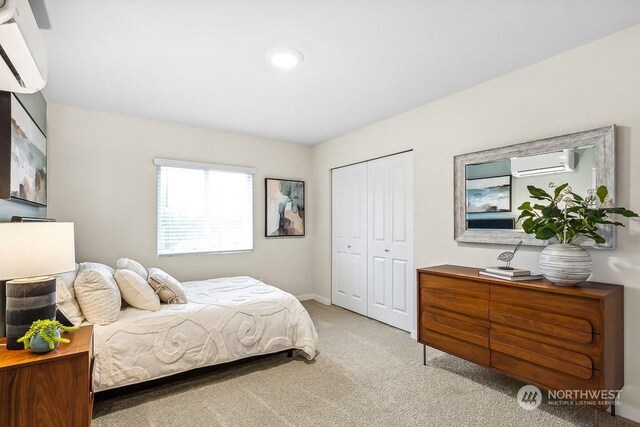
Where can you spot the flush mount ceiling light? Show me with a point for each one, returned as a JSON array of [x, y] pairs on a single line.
[[284, 57]]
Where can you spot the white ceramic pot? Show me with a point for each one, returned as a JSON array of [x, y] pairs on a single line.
[[565, 264]]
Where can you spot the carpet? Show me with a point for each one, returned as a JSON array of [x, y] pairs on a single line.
[[365, 374]]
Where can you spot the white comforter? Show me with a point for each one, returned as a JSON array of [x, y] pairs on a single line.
[[226, 319]]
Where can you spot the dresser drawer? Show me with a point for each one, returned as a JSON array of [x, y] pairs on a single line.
[[459, 303], [547, 377], [460, 326], [570, 362], [456, 286], [577, 317], [569, 351], [466, 350]]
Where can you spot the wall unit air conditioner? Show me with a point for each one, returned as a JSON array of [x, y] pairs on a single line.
[[23, 63], [543, 164]]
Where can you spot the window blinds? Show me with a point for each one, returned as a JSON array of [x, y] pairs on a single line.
[[204, 208]]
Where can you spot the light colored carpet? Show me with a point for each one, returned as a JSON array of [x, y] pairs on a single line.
[[366, 374]]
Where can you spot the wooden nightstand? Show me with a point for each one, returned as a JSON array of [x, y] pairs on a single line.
[[52, 389]]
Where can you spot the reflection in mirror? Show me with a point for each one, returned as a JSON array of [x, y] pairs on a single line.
[[495, 189]]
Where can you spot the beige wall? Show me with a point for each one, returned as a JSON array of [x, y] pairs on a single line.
[[102, 177], [594, 85]]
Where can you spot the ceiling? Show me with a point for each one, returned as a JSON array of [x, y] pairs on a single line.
[[202, 62]]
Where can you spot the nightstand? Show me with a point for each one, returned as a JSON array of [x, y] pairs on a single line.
[[52, 389]]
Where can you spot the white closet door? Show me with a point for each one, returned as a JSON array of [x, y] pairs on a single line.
[[349, 213], [390, 240]]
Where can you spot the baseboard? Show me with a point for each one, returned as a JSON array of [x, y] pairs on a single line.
[[629, 412], [318, 298]]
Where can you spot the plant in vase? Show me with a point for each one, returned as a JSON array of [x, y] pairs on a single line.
[[44, 335], [568, 217]]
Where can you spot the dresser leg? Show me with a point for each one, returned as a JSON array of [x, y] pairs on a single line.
[[424, 354], [596, 414], [613, 410]]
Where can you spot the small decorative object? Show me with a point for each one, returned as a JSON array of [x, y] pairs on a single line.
[[565, 263], [508, 257], [23, 154], [489, 194], [284, 205], [44, 335]]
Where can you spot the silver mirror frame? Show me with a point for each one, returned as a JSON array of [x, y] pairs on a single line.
[[602, 138]]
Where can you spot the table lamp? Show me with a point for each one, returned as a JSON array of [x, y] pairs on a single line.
[[29, 253]]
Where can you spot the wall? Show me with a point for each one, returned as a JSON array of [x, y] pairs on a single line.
[[36, 106], [591, 86], [102, 177]]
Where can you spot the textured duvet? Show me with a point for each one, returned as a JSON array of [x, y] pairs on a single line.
[[226, 319]]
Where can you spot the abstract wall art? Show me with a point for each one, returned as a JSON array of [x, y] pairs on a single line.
[[23, 156], [284, 205], [489, 194]]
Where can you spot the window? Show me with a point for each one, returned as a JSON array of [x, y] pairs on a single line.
[[204, 208]]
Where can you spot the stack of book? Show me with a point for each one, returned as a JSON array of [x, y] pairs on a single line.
[[514, 274]]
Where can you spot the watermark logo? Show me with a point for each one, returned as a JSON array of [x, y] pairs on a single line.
[[529, 397]]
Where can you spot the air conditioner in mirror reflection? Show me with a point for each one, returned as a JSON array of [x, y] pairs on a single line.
[[543, 164], [23, 59]]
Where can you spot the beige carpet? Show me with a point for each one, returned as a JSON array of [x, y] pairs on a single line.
[[366, 374]]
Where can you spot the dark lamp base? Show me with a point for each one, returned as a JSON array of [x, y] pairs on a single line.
[[28, 300]]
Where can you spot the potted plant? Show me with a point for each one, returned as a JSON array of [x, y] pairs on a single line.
[[44, 335], [568, 217]]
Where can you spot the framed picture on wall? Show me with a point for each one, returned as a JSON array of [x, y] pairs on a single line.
[[23, 154], [284, 207], [489, 194]]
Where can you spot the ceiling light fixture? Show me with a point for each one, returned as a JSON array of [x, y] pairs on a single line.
[[284, 57]]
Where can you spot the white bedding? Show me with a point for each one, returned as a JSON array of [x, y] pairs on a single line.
[[226, 319]]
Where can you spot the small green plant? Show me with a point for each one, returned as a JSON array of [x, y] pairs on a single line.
[[579, 216], [47, 329]]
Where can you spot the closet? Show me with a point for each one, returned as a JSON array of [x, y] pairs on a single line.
[[372, 239]]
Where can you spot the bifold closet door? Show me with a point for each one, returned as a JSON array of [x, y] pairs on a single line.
[[390, 241], [349, 250]]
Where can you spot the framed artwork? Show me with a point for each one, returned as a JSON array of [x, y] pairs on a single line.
[[489, 194], [23, 154], [284, 206]]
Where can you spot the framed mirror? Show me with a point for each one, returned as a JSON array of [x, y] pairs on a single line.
[[489, 185]]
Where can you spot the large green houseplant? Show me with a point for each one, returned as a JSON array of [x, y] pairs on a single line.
[[568, 218]]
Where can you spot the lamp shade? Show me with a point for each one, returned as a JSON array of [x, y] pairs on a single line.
[[36, 249]]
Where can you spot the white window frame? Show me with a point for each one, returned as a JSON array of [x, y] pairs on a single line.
[[184, 164]]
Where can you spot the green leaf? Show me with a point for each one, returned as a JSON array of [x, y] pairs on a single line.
[[538, 193], [526, 206], [559, 189], [602, 192]]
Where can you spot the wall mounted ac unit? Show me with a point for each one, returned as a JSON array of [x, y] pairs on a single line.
[[543, 164], [23, 64]]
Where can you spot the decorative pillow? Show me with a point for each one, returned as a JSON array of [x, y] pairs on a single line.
[[98, 295], [68, 279], [135, 266], [168, 289], [67, 303], [136, 291], [95, 266]]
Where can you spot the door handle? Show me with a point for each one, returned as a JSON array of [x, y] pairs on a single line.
[[386, 250], [348, 246]]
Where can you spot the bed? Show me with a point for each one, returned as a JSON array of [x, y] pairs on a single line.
[[226, 319]]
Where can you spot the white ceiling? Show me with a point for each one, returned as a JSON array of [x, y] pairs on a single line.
[[202, 62]]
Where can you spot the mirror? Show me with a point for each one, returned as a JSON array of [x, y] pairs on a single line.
[[491, 184]]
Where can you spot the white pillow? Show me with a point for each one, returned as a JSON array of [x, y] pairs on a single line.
[[98, 295], [135, 266], [168, 289], [95, 266], [67, 302], [136, 291], [68, 279]]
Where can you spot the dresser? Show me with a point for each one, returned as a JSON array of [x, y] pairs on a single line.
[[48, 390], [557, 338]]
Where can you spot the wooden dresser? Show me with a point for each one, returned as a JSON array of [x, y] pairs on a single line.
[[558, 338], [48, 390]]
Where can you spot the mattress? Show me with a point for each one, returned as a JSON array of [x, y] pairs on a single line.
[[226, 319]]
